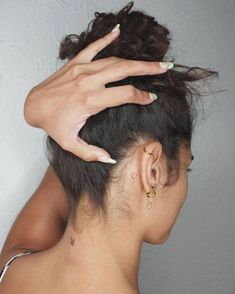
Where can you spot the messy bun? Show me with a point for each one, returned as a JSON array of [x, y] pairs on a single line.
[[168, 120], [141, 38]]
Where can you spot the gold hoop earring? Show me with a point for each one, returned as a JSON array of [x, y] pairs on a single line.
[[150, 153], [151, 194]]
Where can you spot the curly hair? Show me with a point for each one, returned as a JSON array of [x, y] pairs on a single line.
[[169, 120]]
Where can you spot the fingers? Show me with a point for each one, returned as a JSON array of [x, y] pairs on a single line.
[[127, 68], [88, 53], [78, 68], [88, 152], [114, 96], [71, 142], [108, 97], [102, 63]]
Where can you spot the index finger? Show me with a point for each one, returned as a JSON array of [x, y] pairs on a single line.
[[88, 53]]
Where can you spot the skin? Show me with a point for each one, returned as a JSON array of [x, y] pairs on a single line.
[[95, 255], [53, 105], [41, 222]]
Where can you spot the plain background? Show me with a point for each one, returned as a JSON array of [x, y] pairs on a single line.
[[199, 256]]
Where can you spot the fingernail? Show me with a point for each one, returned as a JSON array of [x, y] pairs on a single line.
[[107, 160], [166, 65], [115, 28], [153, 96]]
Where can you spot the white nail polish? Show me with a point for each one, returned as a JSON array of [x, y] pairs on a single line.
[[107, 160], [153, 96], [115, 28], [166, 65]]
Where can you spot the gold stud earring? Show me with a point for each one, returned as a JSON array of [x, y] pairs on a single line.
[[151, 194]]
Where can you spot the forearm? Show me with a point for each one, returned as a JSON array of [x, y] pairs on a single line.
[[41, 222]]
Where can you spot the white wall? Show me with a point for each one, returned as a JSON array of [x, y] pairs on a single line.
[[199, 256]]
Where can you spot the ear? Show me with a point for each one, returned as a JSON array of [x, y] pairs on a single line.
[[153, 167]]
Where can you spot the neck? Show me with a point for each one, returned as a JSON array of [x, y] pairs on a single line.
[[107, 252]]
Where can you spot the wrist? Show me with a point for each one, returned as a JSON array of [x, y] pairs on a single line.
[[32, 109]]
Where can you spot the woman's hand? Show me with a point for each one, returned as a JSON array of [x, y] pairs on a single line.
[[62, 103]]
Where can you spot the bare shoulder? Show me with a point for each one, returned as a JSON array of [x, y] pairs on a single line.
[[15, 275]]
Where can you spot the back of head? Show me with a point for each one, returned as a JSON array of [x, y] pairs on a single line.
[[169, 120]]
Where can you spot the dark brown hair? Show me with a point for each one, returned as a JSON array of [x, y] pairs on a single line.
[[169, 120]]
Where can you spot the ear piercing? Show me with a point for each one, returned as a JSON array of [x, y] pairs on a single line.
[[152, 193], [150, 153]]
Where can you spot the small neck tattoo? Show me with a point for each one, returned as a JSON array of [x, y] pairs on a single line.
[[72, 241]]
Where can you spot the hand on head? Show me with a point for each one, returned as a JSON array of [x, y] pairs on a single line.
[[62, 103]]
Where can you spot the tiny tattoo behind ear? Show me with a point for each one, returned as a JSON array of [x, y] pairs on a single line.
[[72, 241]]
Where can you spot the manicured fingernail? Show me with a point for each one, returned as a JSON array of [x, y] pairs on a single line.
[[115, 28], [166, 65], [153, 96], [107, 160]]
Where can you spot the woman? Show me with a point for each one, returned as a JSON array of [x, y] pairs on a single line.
[[112, 208]]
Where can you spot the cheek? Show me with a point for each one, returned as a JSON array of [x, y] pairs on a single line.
[[175, 201], [181, 194], [184, 189], [168, 211]]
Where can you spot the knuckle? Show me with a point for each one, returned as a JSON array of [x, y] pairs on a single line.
[[124, 65], [65, 144], [131, 91], [114, 59], [75, 69], [93, 47], [107, 39], [87, 157], [105, 42], [81, 78], [137, 67], [153, 66], [142, 69]]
